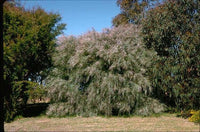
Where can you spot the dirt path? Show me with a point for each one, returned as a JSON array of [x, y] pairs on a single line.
[[162, 123]]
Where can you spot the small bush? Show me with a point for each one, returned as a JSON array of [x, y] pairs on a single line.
[[195, 116]]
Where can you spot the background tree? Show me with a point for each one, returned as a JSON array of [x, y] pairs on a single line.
[[102, 74], [132, 11], [173, 31], [29, 41]]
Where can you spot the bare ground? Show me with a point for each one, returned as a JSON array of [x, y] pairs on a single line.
[[162, 123]]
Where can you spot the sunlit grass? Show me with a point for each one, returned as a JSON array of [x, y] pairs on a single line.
[[163, 122]]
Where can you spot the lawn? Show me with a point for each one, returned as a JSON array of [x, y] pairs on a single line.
[[167, 122]]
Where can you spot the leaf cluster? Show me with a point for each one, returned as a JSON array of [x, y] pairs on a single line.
[[195, 116], [29, 41], [132, 11]]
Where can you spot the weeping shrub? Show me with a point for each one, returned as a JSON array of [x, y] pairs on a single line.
[[102, 74]]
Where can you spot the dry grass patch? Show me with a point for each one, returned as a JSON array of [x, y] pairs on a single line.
[[162, 123]]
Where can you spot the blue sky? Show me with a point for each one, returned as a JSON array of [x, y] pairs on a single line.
[[80, 15]]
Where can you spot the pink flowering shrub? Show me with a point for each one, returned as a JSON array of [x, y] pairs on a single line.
[[102, 74]]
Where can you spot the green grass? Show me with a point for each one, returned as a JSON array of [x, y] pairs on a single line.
[[162, 122]]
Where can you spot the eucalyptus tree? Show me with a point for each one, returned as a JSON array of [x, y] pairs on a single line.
[[172, 29], [133, 11]]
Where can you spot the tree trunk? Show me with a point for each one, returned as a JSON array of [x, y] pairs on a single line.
[[2, 89]]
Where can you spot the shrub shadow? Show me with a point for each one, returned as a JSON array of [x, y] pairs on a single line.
[[32, 110]]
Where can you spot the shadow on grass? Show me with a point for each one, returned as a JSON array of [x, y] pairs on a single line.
[[32, 110]]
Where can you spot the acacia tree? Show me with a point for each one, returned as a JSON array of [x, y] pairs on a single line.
[[29, 41], [102, 73], [173, 31]]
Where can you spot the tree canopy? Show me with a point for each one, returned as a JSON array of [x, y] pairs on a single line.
[[132, 11], [29, 41], [173, 31]]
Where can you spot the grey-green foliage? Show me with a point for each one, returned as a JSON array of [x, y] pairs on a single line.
[[102, 74]]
